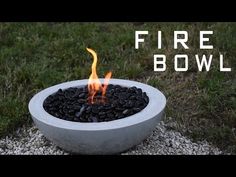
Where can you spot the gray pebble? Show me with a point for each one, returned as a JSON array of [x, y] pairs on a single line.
[[29, 141]]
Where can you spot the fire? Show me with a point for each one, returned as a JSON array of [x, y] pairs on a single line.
[[94, 84]]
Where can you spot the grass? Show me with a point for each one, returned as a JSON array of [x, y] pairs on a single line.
[[34, 56]]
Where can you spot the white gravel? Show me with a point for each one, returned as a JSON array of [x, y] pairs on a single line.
[[29, 141]]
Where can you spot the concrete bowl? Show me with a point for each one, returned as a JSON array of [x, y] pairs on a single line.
[[103, 137]]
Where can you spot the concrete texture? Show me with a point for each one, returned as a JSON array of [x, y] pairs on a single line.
[[103, 137]]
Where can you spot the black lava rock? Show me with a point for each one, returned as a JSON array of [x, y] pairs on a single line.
[[72, 104]]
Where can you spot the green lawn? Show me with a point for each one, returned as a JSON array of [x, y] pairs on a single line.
[[34, 56]]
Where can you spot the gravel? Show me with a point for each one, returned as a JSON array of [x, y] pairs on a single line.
[[163, 141]]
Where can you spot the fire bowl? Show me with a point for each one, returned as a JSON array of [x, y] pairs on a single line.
[[100, 137]]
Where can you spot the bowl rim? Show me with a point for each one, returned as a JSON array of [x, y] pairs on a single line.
[[156, 105]]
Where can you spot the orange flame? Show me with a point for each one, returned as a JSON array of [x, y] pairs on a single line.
[[94, 84], [106, 81]]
